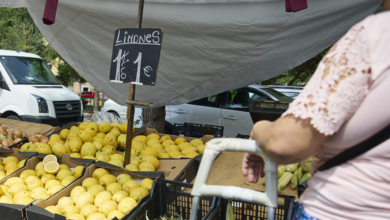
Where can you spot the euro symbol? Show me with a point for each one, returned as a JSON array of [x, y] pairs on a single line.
[[147, 70]]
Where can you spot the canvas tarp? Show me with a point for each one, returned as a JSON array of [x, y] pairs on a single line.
[[208, 47]]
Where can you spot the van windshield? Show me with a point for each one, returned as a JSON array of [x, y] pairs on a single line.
[[26, 70]]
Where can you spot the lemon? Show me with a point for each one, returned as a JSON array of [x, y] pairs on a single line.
[[132, 167], [107, 207], [41, 173], [11, 165], [40, 165], [123, 128], [75, 155], [102, 156], [99, 172], [63, 173], [174, 153], [163, 155], [129, 186], [145, 164], [2, 175], [20, 164], [42, 148], [100, 134], [152, 141], [127, 204], [33, 183], [164, 138], [141, 138], [11, 171], [77, 171], [10, 159], [151, 159], [27, 173], [196, 142], [147, 183], [122, 178], [85, 136], [115, 124], [157, 146], [104, 127], [64, 201], [166, 143], [134, 152], [59, 149], [27, 147], [117, 156], [93, 125], [67, 180], [83, 125], [114, 187], [48, 159], [53, 209], [53, 189], [69, 209], [91, 130], [188, 150], [85, 198], [191, 155], [179, 140], [183, 145], [19, 187], [64, 134], [115, 213], [76, 192], [102, 197], [119, 195], [109, 140], [38, 192], [52, 167], [106, 180], [55, 137], [51, 183], [3, 169], [47, 177], [88, 149], [109, 150], [22, 193], [134, 160], [25, 200], [64, 167], [51, 143], [95, 189], [5, 199], [116, 162], [138, 193], [146, 169], [87, 210], [89, 157], [90, 181], [75, 144], [172, 147], [150, 151], [200, 148], [98, 145], [75, 216], [96, 216]]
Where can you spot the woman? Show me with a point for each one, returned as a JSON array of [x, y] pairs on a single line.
[[344, 103]]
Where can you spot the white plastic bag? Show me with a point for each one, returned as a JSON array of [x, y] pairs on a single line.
[[99, 117]]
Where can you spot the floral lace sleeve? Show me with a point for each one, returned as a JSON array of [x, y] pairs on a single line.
[[338, 86]]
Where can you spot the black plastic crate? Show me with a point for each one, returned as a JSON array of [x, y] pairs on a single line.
[[250, 211], [167, 199], [216, 131], [193, 130], [242, 136], [179, 129]]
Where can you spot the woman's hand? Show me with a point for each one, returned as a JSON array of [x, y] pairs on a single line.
[[252, 166]]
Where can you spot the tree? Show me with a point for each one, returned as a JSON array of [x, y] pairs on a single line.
[[300, 75], [154, 118]]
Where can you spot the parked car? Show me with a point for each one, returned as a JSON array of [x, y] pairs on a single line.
[[87, 94], [290, 91], [121, 111], [229, 109]]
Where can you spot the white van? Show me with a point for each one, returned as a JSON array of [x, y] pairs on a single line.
[[29, 91]]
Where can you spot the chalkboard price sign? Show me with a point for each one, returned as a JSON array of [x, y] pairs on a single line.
[[135, 55]]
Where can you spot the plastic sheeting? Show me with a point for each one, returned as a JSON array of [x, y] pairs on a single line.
[[209, 46]]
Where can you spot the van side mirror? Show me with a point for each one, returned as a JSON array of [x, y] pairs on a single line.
[[3, 85], [58, 77]]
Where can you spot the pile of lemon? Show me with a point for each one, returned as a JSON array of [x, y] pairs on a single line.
[[9, 165], [146, 149], [88, 140], [48, 178], [102, 196]]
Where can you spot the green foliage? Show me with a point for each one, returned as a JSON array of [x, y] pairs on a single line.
[[19, 32], [300, 75]]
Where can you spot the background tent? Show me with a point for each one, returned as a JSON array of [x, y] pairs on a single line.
[[209, 46]]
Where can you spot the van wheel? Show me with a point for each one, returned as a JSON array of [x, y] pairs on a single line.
[[14, 117]]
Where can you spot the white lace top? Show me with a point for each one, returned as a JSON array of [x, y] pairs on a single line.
[[347, 99]]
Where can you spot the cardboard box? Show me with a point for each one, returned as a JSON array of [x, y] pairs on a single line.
[[29, 127], [18, 211], [37, 209]]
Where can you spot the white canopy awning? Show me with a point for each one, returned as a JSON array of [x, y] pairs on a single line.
[[209, 46]]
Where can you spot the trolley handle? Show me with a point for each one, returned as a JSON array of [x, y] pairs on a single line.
[[212, 150]]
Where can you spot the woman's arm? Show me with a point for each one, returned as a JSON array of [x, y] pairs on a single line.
[[288, 139]]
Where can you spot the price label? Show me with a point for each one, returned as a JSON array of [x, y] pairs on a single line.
[[135, 55]]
